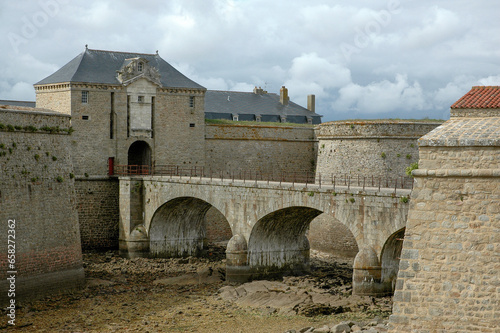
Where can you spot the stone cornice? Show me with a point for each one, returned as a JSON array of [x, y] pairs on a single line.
[[332, 137], [190, 91], [444, 173]]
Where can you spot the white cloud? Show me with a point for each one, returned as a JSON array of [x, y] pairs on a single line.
[[384, 96], [442, 49], [438, 25], [493, 80]]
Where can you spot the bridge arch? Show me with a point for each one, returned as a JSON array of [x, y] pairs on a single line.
[[389, 259], [179, 227], [278, 244], [328, 234]]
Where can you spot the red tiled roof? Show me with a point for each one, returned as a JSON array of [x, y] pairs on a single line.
[[479, 97]]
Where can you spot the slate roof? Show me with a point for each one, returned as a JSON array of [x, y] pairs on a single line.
[[18, 103], [97, 66], [247, 105], [464, 132], [479, 97]]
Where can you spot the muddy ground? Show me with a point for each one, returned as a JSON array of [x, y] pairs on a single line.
[[182, 295]]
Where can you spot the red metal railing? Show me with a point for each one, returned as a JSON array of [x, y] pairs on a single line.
[[299, 177]]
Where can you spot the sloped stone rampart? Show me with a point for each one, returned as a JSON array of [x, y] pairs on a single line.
[[38, 193]]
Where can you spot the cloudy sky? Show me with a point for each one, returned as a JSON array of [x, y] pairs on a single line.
[[361, 58]]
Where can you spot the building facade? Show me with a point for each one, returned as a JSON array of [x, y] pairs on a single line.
[[127, 109]]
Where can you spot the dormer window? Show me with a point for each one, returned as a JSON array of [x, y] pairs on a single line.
[[140, 66]]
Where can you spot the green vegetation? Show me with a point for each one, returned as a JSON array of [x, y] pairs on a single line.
[[383, 155], [352, 200], [404, 199], [37, 157], [54, 158], [408, 156], [394, 120], [253, 123], [412, 167], [59, 179], [32, 128]]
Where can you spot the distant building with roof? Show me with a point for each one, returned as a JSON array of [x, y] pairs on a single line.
[[259, 105], [480, 101]]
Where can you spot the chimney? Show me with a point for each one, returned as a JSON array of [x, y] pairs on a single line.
[[258, 91], [284, 96], [311, 103]]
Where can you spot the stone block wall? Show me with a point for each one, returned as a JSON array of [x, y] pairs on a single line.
[[91, 142], [56, 97], [217, 228], [264, 149], [369, 148], [448, 277], [98, 212], [180, 129], [38, 193]]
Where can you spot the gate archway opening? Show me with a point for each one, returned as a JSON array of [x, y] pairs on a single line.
[[139, 154]]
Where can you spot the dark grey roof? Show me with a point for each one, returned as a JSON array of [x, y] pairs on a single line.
[[18, 103], [96, 66], [224, 103]]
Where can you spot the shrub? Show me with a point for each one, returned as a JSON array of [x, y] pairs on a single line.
[[412, 167]]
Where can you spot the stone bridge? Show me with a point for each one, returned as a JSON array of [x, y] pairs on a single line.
[[163, 216]]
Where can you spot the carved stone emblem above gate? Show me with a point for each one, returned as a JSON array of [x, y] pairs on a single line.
[[136, 68]]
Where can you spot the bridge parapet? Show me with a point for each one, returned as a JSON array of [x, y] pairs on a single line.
[[247, 176]]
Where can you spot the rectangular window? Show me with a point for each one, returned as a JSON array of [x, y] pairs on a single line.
[[85, 117], [140, 67], [191, 101], [140, 99], [85, 96], [191, 125]]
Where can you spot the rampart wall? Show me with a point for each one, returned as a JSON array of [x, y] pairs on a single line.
[[97, 199], [38, 193], [369, 148], [263, 149]]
